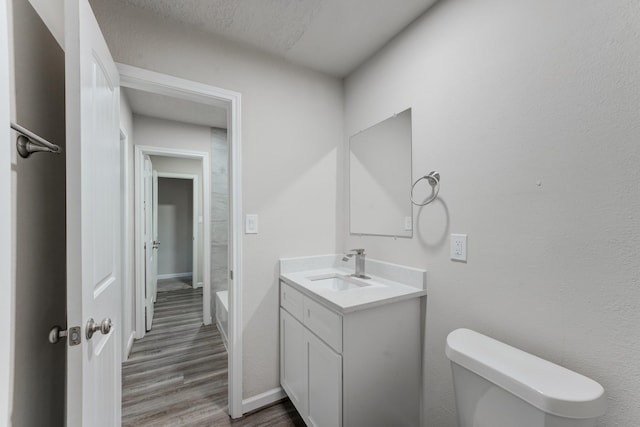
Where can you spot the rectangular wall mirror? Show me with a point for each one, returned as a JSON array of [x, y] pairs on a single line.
[[380, 178]]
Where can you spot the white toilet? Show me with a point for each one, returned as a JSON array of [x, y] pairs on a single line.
[[497, 385]]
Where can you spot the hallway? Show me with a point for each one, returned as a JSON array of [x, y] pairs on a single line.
[[177, 374]]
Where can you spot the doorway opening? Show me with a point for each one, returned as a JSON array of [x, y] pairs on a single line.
[[183, 90], [158, 213], [179, 220]]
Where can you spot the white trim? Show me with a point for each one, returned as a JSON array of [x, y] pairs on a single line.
[[139, 241], [140, 152], [195, 242], [151, 81], [234, 137], [129, 346], [263, 399], [7, 261], [174, 275], [163, 84], [126, 265]]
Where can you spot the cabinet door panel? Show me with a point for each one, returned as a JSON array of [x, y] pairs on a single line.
[[293, 360], [325, 384]]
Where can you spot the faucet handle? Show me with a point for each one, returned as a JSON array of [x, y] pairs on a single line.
[[351, 252]]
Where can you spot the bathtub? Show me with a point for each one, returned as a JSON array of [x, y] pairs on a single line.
[[222, 315]]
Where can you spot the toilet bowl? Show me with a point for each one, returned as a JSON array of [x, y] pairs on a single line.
[[497, 385]]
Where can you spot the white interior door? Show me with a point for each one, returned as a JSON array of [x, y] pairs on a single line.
[[6, 238], [150, 243], [93, 222], [154, 232]]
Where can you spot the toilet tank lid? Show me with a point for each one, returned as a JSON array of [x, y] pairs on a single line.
[[545, 385]]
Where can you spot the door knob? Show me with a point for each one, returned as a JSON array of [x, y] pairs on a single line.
[[156, 244], [93, 327]]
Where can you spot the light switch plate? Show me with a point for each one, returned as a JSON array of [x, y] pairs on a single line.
[[459, 247], [251, 224]]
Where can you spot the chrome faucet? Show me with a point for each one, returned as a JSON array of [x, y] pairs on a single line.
[[359, 253]]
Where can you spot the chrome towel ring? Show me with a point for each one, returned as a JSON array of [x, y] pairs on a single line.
[[433, 178]]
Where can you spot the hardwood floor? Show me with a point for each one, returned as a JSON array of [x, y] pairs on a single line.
[[180, 283], [177, 374]]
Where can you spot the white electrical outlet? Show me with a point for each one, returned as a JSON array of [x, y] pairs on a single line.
[[251, 224], [407, 223], [459, 247]]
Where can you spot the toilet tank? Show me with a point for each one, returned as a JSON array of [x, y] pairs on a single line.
[[497, 385]]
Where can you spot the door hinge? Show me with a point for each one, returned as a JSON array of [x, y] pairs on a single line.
[[231, 274]]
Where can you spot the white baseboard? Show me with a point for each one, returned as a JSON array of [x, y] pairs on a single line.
[[263, 399], [130, 344], [174, 275]]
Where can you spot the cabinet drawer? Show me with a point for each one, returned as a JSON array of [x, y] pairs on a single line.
[[291, 300], [324, 323]]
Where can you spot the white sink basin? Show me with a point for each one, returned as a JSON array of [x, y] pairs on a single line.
[[335, 282]]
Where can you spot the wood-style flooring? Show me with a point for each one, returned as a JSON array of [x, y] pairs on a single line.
[[181, 283], [177, 374]]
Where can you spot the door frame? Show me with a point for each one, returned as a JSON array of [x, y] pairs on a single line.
[[127, 322], [195, 188], [151, 81], [143, 208], [7, 278], [140, 152]]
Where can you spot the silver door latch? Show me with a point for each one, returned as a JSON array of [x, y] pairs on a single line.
[[57, 334]]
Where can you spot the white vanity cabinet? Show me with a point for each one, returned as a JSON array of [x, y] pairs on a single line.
[[359, 368], [293, 360]]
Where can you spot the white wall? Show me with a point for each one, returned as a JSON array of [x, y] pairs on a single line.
[[529, 110], [175, 226], [163, 133], [38, 205], [291, 129]]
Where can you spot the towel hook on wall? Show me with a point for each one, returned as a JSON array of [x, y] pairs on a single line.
[[28, 143]]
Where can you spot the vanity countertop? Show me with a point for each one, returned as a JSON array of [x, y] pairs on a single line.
[[388, 283]]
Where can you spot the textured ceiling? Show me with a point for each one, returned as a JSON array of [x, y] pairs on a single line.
[[333, 36], [273, 24], [179, 110]]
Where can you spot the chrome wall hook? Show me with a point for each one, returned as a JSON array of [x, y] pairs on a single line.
[[26, 148], [29, 143]]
